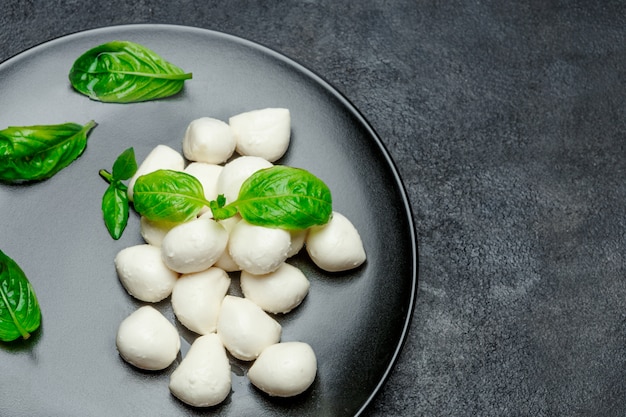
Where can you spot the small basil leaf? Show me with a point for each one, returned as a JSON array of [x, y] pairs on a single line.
[[20, 314], [33, 153], [125, 165], [115, 210], [125, 72], [285, 197], [219, 211], [167, 195]]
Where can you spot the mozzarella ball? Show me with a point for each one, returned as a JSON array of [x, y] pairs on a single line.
[[147, 340], [245, 329], [208, 140], [161, 157], [197, 298], [153, 232], [284, 369], [143, 273], [226, 261], [265, 132], [297, 241], [277, 292], [207, 174], [203, 377], [236, 172], [194, 246], [335, 246], [257, 249]]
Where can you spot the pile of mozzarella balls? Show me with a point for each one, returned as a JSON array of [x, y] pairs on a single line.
[[191, 263]]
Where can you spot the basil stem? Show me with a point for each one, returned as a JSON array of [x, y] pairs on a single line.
[[125, 72], [33, 153], [20, 313]]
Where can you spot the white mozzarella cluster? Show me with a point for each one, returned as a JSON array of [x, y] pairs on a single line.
[[191, 263]]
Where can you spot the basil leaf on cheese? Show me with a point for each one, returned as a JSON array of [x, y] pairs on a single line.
[[281, 196]]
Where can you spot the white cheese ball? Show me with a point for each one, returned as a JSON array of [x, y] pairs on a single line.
[[207, 174], [265, 132], [236, 172], [197, 298], [203, 377], [161, 157], [153, 232], [194, 246], [143, 273], [335, 246], [226, 261], [208, 140], [147, 340], [277, 292], [284, 369], [245, 329], [257, 249], [297, 241]]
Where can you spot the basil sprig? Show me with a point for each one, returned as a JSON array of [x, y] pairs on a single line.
[[115, 205], [125, 72], [33, 153], [20, 314], [280, 196]]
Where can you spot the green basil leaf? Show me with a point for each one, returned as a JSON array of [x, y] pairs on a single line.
[[20, 314], [167, 195], [282, 196], [115, 203], [218, 209], [115, 210], [125, 72], [125, 165], [33, 153]]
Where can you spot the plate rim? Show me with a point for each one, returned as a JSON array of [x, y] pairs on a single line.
[[329, 88]]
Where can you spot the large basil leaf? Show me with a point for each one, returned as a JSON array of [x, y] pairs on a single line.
[[281, 196], [33, 153], [20, 314], [167, 195], [125, 72]]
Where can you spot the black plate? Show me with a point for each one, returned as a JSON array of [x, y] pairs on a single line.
[[356, 322]]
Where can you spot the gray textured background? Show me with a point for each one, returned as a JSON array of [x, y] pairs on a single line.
[[507, 121]]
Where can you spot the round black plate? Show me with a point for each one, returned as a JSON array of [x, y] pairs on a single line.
[[356, 322]]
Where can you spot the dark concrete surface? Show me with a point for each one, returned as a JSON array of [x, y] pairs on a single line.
[[507, 121]]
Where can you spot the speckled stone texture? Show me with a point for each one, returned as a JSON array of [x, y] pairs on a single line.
[[507, 121]]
